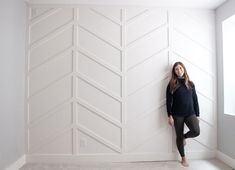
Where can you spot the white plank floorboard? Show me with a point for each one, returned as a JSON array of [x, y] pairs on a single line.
[[211, 164]]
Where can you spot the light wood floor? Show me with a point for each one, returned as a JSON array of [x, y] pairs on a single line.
[[210, 164]]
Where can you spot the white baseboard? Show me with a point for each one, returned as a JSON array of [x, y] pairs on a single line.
[[17, 164], [226, 159], [80, 159], [200, 155], [93, 158]]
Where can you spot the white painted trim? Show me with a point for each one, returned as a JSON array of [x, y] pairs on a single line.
[[209, 4], [95, 158], [135, 157], [226, 159], [201, 154], [17, 164]]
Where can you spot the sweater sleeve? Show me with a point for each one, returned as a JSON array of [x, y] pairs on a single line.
[[169, 101], [195, 101]]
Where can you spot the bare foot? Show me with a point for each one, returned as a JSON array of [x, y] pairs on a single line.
[[184, 162]]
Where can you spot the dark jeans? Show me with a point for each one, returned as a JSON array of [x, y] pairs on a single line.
[[192, 123]]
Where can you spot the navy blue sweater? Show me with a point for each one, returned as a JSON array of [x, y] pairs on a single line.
[[183, 102]]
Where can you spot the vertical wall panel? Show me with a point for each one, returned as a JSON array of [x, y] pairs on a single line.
[[97, 78]]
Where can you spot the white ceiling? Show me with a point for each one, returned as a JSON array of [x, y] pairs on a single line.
[[209, 4]]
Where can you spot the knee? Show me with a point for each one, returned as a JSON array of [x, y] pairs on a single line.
[[197, 132]]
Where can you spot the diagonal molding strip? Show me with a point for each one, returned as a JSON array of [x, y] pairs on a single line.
[[208, 123], [142, 13], [148, 112], [147, 58], [159, 131], [98, 112], [99, 87], [52, 35], [50, 139], [202, 69], [44, 16], [99, 61], [98, 138], [194, 41], [59, 54], [48, 114], [45, 115], [108, 18], [149, 84], [101, 37], [50, 84], [148, 34]]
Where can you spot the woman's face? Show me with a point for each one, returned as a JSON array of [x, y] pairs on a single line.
[[179, 70]]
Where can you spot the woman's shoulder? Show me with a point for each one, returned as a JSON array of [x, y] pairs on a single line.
[[168, 85], [191, 84]]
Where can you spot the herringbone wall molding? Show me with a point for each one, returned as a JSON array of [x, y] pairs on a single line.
[[97, 78]]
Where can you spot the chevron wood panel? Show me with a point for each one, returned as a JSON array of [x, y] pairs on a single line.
[[48, 24], [199, 27], [97, 76], [147, 98], [51, 145], [146, 47], [105, 103], [57, 121], [87, 16], [144, 128], [84, 65], [147, 71], [49, 98], [44, 50], [50, 72], [99, 47], [146, 23], [97, 124], [37, 12], [96, 145], [195, 52]]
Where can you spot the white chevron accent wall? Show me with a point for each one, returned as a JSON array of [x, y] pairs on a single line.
[[96, 80]]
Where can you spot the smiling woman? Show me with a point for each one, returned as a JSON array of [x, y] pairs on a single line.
[[182, 107]]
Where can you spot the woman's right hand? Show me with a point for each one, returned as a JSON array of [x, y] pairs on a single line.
[[170, 121]]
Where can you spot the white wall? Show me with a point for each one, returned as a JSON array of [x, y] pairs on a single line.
[[228, 28], [97, 78], [226, 123], [12, 63]]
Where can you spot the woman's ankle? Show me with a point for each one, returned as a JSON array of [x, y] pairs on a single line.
[[184, 162]]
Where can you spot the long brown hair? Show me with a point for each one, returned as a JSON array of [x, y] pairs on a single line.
[[174, 83]]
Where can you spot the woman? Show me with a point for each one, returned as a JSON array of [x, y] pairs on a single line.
[[182, 107]]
